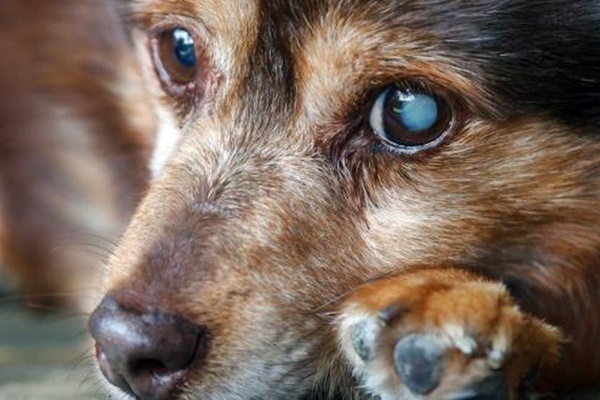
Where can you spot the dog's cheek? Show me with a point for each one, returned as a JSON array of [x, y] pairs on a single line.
[[489, 181]]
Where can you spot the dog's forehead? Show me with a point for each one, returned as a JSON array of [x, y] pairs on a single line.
[[323, 52], [510, 56]]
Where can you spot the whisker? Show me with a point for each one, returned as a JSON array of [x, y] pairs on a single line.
[[103, 251], [42, 307], [58, 295], [101, 256], [86, 372], [112, 242], [349, 292]]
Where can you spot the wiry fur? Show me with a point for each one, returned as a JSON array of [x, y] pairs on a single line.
[[278, 201], [282, 197]]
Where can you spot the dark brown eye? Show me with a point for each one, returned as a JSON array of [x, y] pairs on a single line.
[[176, 58], [410, 120]]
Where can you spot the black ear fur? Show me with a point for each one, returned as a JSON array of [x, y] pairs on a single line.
[[538, 55]]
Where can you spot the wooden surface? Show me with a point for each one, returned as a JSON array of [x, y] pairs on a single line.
[[43, 358]]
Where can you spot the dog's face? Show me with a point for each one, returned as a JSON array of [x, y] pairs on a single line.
[[311, 146]]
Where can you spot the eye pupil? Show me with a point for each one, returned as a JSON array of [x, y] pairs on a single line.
[[184, 48], [416, 112]]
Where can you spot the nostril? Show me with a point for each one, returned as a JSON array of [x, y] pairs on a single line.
[[153, 367], [145, 354], [166, 357]]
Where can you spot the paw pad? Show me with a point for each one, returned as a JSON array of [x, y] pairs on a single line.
[[363, 336], [418, 359]]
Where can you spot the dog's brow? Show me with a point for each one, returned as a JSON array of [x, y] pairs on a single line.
[[223, 17], [345, 57]]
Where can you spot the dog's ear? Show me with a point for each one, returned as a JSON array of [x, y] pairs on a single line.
[[553, 62], [542, 56], [535, 56]]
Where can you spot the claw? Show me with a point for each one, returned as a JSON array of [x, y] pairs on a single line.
[[495, 361], [467, 345]]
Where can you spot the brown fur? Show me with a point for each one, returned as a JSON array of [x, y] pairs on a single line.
[[256, 198], [270, 216], [75, 137]]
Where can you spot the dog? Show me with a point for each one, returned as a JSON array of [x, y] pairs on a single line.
[[348, 199], [75, 139], [395, 199]]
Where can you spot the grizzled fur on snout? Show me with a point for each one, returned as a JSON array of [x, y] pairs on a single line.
[[273, 200]]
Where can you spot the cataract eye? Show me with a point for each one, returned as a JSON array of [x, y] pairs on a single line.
[[410, 120]]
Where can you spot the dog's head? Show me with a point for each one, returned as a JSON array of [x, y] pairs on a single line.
[[308, 147]]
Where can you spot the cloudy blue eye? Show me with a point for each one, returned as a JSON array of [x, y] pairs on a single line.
[[409, 120], [184, 48], [416, 112]]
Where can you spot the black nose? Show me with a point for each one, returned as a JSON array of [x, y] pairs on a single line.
[[145, 354]]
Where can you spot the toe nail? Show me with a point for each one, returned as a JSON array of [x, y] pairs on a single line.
[[419, 361], [467, 345], [495, 359]]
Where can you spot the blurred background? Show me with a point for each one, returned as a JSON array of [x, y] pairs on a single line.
[[43, 357], [75, 134]]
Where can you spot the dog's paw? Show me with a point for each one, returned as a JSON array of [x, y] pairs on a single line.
[[443, 334]]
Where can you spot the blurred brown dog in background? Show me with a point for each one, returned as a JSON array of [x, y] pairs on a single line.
[[75, 134]]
